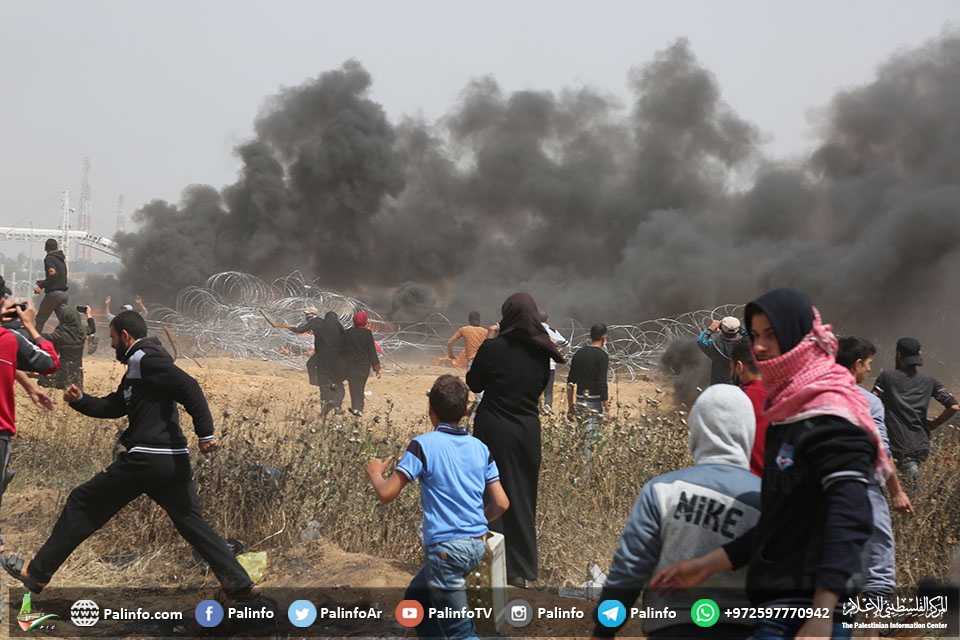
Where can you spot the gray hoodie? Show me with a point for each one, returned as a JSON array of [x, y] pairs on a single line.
[[690, 512]]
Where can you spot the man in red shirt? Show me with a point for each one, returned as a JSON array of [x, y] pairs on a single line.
[[745, 374]]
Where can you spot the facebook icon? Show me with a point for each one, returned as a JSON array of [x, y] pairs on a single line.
[[208, 613]]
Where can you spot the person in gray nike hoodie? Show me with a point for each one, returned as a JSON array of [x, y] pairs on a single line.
[[687, 513]]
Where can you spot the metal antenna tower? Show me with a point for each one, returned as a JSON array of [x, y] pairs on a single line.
[[84, 253], [65, 223], [121, 220]]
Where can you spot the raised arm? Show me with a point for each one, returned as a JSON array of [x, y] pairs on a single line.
[[35, 353]]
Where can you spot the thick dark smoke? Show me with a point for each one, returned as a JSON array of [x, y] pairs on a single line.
[[603, 211], [684, 362]]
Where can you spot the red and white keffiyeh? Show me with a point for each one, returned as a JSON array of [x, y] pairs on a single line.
[[807, 381]]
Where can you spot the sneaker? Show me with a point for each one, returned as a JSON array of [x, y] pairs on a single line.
[[356, 412]]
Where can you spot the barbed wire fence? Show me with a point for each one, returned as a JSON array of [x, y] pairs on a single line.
[[226, 318]]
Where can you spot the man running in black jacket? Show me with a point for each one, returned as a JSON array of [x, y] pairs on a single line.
[[156, 461]]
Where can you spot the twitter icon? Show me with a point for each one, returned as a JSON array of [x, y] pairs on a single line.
[[611, 613], [302, 613]]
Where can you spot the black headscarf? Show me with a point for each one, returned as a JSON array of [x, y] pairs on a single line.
[[331, 330], [789, 311], [521, 320]]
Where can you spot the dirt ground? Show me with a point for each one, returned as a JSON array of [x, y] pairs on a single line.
[[28, 513]]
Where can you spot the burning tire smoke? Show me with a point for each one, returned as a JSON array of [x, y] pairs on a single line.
[[600, 210]]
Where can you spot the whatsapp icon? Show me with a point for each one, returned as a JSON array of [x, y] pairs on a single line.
[[705, 613]]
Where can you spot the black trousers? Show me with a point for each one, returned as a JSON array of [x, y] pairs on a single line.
[[357, 381], [168, 480], [331, 391], [312, 370], [548, 390]]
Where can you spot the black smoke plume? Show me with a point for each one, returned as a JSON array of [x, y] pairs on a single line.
[[683, 361], [603, 211]]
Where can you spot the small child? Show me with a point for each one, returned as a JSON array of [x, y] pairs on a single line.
[[455, 469]]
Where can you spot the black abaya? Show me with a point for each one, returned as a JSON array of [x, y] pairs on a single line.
[[513, 373]]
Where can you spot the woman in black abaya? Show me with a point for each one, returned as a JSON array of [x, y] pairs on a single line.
[[329, 363], [512, 371]]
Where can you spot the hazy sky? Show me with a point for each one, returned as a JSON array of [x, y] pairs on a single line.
[[157, 94]]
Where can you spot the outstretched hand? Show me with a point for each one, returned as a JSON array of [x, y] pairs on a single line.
[[41, 399], [680, 575]]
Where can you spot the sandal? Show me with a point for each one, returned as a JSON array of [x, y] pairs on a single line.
[[13, 565]]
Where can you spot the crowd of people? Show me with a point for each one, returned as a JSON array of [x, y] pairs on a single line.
[[782, 507], [156, 460]]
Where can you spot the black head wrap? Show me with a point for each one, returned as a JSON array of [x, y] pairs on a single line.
[[789, 311], [330, 329], [521, 320]]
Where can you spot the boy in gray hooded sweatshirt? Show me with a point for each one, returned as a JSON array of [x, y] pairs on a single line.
[[689, 512]]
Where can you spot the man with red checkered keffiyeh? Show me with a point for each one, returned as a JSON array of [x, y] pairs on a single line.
[[821, 449]]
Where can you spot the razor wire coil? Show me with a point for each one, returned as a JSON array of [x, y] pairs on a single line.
[[225, 318]]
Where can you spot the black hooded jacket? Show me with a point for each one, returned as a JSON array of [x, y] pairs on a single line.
[[55, 267], [148, 393]]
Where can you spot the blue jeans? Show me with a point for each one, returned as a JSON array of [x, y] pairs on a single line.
[[591, 413], [771, 628], [441, 583]]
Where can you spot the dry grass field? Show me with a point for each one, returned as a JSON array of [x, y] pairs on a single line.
[[281, 466]]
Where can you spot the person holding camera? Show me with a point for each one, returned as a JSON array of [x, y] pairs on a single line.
[[22, 349]]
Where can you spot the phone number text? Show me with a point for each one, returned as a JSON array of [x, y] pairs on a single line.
[[757, 613]]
